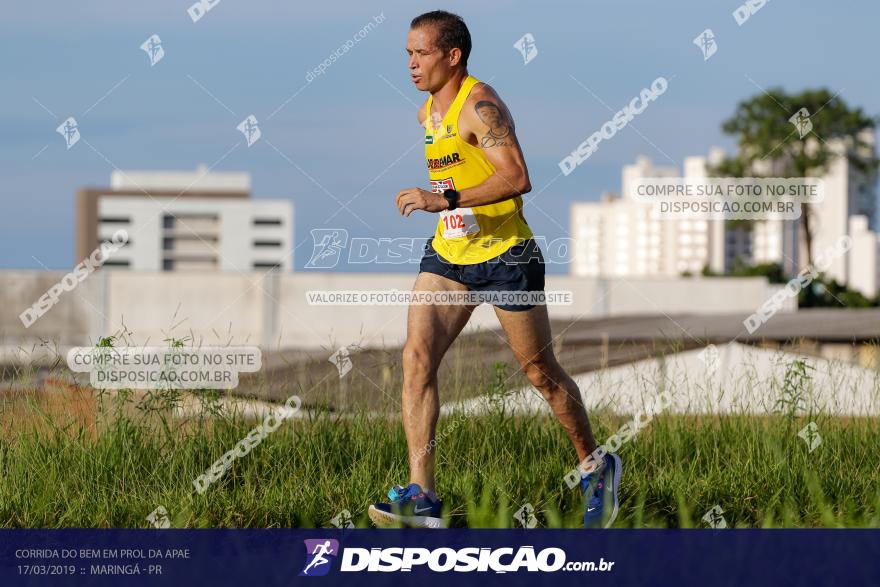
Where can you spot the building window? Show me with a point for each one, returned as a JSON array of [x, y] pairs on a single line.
[[267, 222], [267, 243], [266, 265], [101, 241], [114, 220], [116, 263]]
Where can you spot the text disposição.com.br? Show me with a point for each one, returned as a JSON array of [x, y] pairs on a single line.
[[468, 559]]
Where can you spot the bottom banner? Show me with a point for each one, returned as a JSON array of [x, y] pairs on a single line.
[[219, 557]]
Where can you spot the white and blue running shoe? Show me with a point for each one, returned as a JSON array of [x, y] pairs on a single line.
[[409, 506]]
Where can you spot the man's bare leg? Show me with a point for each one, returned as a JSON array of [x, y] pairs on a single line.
[[528, 333], [430, 331]]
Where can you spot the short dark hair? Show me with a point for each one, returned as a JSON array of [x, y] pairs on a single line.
[[451, 31]]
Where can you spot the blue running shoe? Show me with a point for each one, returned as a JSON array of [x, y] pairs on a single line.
[[410, 506], [600, 493]]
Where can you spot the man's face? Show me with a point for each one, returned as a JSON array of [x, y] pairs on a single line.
[[428, 66]]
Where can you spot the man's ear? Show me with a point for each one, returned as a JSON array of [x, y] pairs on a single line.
[[454, 56]]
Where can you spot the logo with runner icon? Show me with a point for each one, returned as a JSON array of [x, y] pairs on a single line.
[[319, 554]]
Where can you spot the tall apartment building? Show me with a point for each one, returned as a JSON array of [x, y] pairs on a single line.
[[849, 208], [863, 260], [619, 236], [179, 221], [848, 194]]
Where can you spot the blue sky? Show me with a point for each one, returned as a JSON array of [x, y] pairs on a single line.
[[356, 122]]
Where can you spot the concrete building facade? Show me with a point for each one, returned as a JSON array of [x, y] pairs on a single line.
[[179, 221]]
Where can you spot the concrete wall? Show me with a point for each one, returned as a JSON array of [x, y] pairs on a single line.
[[209, 307], [271, 310], [75, 317]]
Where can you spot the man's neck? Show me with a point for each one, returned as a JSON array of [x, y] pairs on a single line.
[[445, 96]]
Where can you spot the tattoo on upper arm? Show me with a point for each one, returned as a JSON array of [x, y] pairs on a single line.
[[500, 125]]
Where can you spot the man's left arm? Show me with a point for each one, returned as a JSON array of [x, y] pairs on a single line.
[[486, 118]]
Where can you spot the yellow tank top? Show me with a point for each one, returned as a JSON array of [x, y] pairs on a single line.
[[466, 236]]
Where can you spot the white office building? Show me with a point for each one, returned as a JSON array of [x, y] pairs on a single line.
[[179, 221], [863, 260], [619, 236]]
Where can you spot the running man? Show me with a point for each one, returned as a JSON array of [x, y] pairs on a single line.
[[482, 243]]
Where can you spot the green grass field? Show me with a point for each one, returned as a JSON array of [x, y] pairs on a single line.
[[676, 469]]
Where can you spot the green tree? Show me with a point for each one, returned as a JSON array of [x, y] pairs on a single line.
[[772, 271], [828, 293], [765, 133]]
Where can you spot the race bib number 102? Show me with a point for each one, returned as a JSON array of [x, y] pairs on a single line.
[[459, 222]]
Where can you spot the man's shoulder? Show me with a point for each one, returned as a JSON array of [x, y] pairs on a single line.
[[423, 112], [481, 92], [482, 95]]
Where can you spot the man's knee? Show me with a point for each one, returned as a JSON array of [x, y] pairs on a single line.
[[543, 375], [418, 365]]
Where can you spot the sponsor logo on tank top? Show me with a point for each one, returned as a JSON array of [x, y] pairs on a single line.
[[445, 162], [449, 134]]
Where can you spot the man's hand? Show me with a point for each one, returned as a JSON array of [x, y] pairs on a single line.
[[412, 199]]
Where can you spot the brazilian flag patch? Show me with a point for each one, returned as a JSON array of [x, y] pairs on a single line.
[[429, 139]]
